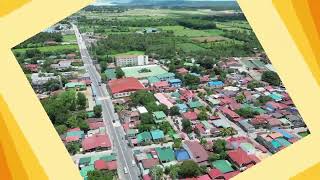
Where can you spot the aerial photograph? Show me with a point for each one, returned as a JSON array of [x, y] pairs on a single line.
[[160, 89]]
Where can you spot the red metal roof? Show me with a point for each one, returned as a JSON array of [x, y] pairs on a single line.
[[230, 175], [100, 165], [198, 153], [96, 125], [204, 177], [100, 140], [240, 157], [112, 165], [149, 163], [213, 173], [125, 85], [190, 115], [161, 84]]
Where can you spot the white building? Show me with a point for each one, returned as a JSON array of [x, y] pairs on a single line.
[[132, 60]]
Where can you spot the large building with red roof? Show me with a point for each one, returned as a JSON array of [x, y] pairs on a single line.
[[124, 87], [96, 142]]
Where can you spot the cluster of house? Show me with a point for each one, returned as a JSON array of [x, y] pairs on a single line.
[[274, 125], [95, 140]]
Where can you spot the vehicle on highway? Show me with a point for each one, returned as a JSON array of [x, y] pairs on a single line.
[[125, 170], [133, 163]]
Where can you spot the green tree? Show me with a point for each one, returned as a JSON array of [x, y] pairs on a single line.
[[186, 126], [97, 110], [240, 98], [247, 112], [189, 169], [165, 127], [254, 84], [214, 157], [72, 122], [61, 129], [271, 77], [177, 143], [219, 146], [191, 80], [174, 111], [100, 175], [81, 101], [156, 172], [119, 73], [73, 147], [203, 116]]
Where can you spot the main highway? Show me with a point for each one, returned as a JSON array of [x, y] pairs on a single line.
[[115, 132]]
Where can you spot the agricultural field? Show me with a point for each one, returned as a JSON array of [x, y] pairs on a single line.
[[189, 47], [70, 38], [132, 14], [56, 48], [182, 31]]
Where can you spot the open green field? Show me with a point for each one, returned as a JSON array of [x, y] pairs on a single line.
[[182, 31], [131, 53], [303, 134], [150, 13], [51, 48], [69, 38], [234, 25], [190, 47]]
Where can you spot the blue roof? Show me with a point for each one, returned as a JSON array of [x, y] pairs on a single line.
[[182, 106], [215, 83], [175, 81], [283, 132], [182, 155]]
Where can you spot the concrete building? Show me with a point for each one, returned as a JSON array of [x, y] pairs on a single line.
[[132, 60]]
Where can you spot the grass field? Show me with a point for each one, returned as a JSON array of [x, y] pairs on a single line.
[[69, 38], [150, 13], [131, 53], [189, 47], [303, 134], [51, 48], [182, 31]]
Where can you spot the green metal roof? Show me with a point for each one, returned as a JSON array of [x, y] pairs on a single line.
[[79, 134], [155, 70], [84, 160], [207, 124], [159, 115], [157, 134], [84, 170], [283, 142], [165, 154], [275, 144], [175, 94], [166, 75], [74, 84], [223, 165], [144, 136], [111, 157], [110, 73], [153, 79], [247, 147], [194, 104]]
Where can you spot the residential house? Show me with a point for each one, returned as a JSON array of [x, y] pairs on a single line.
[[97, 142], [196, 152], [176, 83], [159, 116]]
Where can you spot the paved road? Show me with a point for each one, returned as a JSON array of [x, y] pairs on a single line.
[[116, 134]]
